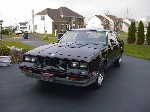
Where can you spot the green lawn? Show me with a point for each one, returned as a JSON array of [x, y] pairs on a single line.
[[139, 51], [17, 44], [12, 35], [44, 36], [50, 39], [123, 36]]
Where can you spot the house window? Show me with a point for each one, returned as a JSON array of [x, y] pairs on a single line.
[[35, 27], [62, 27], [42, 18], [79, 26], [68, 18], [80, 20], [67, 26], [56, 26]]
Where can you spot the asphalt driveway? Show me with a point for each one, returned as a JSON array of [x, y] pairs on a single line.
[[125, 89]]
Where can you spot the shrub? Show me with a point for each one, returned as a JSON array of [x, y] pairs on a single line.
[[4, 51], [131, 33], [5, 32], [148, 34], [140, 34]]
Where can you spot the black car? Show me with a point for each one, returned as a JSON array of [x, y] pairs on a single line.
[[80, 58]]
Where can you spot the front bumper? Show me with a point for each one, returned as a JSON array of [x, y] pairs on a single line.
[[67, 79]]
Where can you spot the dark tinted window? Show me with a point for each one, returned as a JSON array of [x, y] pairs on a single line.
[[97, 37]]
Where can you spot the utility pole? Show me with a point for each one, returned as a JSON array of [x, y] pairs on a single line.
[[1, 21], [33, 30], [128, 12]]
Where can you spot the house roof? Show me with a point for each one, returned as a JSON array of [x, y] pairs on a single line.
[[67, 12], [23, 23], [100, 17], [131, 20], [114, 18], [120, 19], [127, 24], [56, 14]]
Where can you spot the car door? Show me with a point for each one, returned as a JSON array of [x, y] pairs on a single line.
[[113, 42], [110, 52]]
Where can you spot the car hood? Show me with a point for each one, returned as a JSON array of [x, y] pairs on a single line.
[[71, 51]]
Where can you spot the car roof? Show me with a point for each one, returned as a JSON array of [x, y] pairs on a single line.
[[87, 29]]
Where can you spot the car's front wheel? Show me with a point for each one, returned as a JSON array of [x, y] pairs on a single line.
[[118, 61], [100, 77]]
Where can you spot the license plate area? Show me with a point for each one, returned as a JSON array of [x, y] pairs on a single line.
[[26, 71], [47, 77]]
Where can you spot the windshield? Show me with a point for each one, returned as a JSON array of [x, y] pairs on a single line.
[[96, 37]]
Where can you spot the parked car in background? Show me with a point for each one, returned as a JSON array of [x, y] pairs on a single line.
[[80, 58], [17, 32], [5, 60]]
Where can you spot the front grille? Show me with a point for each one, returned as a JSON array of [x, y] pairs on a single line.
[[54, 62]]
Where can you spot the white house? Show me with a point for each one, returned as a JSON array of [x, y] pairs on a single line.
[[145, 21], [111, 22], [23, 26], [57, 20], [127, 22], [98, 22], [43, 24], [125, 27], [95, 22]]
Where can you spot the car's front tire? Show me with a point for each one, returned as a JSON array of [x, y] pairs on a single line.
[[100, 77], [118, 61]]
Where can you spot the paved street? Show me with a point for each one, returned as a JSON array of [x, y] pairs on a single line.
[[126, 89], [35, 43]]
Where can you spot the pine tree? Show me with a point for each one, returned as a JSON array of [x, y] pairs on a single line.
[[131, 33], [140, 34], [148, 34]]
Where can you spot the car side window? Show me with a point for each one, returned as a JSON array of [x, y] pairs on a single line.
[[112, 38]]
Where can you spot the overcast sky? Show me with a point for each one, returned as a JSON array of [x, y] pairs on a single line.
[[12, 11]]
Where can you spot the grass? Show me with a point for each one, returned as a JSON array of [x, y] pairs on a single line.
[[48, 37], [51, 39], [17, 45], [45, 35], [139, 51], [123, 36], [12, 35]]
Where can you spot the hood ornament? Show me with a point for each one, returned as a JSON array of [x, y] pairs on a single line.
[[53, 54]]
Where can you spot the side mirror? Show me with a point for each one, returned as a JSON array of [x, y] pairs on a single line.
[[58, 40], [112, 42]]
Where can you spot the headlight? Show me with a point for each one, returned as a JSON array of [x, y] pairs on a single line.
[[83, 65], [33, 59], [30, 59], [79, 65], [74, 64], [27, 58]]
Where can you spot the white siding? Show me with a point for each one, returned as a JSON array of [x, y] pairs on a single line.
[[127, 21], [125, 28], [23, 27], [40, 24], [95, 22], [111, 22]]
